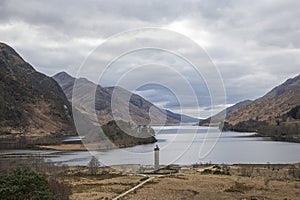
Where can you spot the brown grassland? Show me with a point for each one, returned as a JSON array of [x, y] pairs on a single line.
[[192, 182]]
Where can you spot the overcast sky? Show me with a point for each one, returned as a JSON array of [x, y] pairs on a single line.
[[254, 44]]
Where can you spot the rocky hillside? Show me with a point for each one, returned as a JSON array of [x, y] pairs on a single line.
[[139, 108], [274, 104], [275, 115], [216, 119], [31, 103]]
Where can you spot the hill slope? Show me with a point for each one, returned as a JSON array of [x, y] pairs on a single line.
[[275, 114], [182, 118], [139, 108], [31, 103], [275, 103], [219, 117]]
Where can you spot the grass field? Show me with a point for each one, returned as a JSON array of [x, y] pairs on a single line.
[[192, 182]]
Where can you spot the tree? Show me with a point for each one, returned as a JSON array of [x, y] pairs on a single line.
[[294, 112], [24, 184], [93, 165]]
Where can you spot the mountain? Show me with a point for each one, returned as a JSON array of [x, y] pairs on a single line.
[[291, 84], [219, 117], [182, 118], [275, 103], [31, 103], [230, 109], [139, 108], [276, 114]]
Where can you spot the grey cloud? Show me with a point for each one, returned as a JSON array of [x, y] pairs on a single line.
[[255, 45]]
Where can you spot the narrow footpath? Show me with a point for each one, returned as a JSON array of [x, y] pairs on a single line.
[[134, 188]]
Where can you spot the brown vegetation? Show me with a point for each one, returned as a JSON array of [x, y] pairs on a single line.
[[268, 181], [245, 182], [32, 104]]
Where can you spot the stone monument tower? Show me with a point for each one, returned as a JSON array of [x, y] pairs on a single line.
[[156, 158]]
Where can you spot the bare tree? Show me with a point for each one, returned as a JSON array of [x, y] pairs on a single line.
[[94, 164]]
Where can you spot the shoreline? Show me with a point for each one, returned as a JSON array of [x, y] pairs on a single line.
[[80, 147], [61, 147], [269, 137], [12, 155]]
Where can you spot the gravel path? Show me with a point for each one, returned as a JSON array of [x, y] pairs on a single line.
[[134, 188]]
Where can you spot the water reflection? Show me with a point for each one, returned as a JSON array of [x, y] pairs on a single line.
[[182, 146]]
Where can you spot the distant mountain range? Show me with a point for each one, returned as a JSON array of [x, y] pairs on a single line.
[[182, 118], [216, 119], [31, 103], [139, 107], [34, 109], [274, 114]]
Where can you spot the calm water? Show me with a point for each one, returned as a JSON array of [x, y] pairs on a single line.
[[188, 145]]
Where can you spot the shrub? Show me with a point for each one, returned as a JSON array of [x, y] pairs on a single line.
[[24, 184], [60, 190], [294, 112], [239, 187], [295, 173], [93, 165]]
